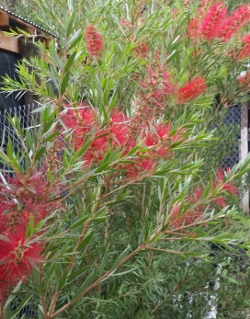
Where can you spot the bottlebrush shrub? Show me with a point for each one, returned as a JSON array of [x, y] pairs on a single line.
[[109, 201]]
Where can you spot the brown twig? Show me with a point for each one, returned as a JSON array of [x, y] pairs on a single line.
[[99, 280]]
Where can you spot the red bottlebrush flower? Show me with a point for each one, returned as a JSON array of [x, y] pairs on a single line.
[[41, 210], [164, 152], [191, 90], [142, 50], [159, 86], [228, 187], [236, 21], [179, 219], [98, 148], [197, 194], [94, 41], [82, 120], [193, 28], [69, 119], [78, 138], [213, 20], [244, 52], [159, 138], [86, 117], [151, 139], [159, 141], [82, 116], [142, 166], [163, 130], [169, 87], [25, 188], [220, 202], [120, 132], [17, 257]]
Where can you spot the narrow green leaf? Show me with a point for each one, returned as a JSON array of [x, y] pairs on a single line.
[[65, 82], [70, 61], [40, 153]]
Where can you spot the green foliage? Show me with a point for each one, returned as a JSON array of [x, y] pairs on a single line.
[[118, 242]]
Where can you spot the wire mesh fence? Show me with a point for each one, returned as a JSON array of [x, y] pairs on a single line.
[[26, 118], [233, 119]]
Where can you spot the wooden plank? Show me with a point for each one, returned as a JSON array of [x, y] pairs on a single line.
[[30, 29], [9, 43], [26, 26], [4, 19]]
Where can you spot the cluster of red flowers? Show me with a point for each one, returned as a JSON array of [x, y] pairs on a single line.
[[159, 86], [22, 198], [213, 22], [121, 132], [244, 51], [191, 216], [94, 41], [225, 186], [142, 50]]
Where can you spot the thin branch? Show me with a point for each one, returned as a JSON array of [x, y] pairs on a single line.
[[98, 281], [165, 250]]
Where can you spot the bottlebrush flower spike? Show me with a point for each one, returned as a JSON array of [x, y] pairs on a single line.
[[94, 41], [120, 131], [193, 28], [236, 21], [17, 257], [25, 188], [213, 20], [142, 166], [226, 186], [82, 120], [142, 50], [191, 90], [244, 52], [151, 139], [98, 148], [179, 219], [163, 130]]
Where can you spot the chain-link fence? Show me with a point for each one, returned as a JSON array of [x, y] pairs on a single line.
[[26, 118], [233, 119]]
